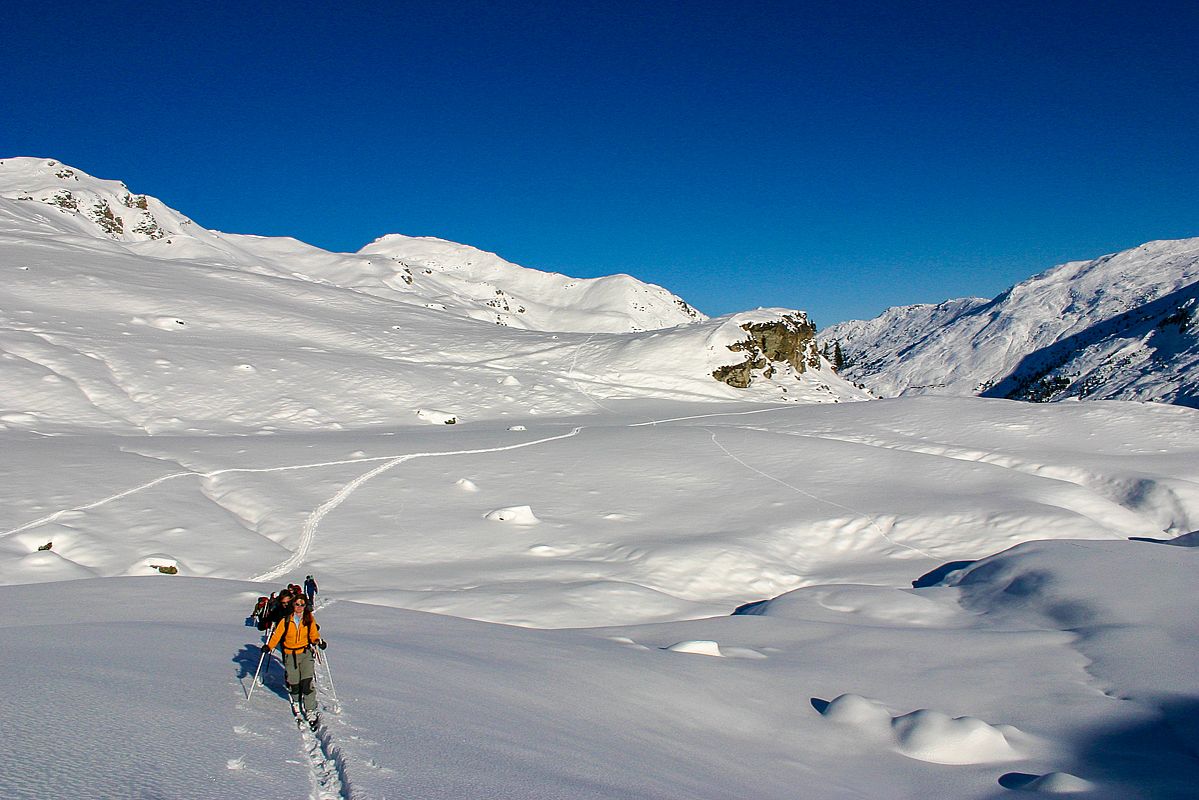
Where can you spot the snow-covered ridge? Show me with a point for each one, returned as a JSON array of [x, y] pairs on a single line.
[[513, 291], [433, 273], [1116, 327], [201, 331]]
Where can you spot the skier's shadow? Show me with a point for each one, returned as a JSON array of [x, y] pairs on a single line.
[[271, 675]]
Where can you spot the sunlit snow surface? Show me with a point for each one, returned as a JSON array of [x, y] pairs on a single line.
[[1072, 656], [582, 512]]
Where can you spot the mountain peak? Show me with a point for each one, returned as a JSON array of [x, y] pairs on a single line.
[[90, 206], [1115, 327]]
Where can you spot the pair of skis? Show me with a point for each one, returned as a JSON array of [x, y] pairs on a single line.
[[311, 719], [302, 717]]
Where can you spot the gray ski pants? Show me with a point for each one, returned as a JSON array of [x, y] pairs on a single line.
[[299, 671]]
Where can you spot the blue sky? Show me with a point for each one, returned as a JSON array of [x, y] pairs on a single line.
[[835, 157]]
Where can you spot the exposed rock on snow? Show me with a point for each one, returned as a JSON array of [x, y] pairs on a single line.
[[789, 338]]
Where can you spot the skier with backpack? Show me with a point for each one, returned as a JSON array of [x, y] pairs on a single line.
[[297, 634], [259, 610], [276, 611]]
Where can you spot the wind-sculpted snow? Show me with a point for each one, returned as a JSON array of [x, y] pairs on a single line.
[[139, 686], [699, 511]]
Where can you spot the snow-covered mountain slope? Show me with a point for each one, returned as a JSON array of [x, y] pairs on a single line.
[[515, 295], [421, 271], [197, 331], [1117, 327]]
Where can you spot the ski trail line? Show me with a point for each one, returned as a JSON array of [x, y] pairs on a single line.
[[318, 464], [570, 373], [118, 496], [710, 416], [873, 523], [191, 473], [308, 534]]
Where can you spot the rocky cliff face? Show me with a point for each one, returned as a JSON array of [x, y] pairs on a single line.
[[790, 339]]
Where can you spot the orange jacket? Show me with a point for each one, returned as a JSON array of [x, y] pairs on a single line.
[[295, 637]]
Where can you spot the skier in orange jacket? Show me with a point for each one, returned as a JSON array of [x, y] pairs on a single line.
[[298, 633]]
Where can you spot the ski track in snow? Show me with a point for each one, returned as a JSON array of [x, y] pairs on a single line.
[[327, 764], [189, 473], [873, 523], [710, 416], [570, 373], [308, 534]]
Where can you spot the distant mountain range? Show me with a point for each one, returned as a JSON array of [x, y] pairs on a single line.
[[1122, 326]]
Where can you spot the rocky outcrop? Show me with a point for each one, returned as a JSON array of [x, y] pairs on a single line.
[[788, 340]]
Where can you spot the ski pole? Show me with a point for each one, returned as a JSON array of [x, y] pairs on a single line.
[[329, 675], [254, 682], [266, 638]]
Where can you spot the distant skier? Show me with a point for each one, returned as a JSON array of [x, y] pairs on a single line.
[[259, 610], [298, 633], [310, 588]]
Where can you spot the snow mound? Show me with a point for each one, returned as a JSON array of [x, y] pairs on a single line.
[[926, 735], [515, 515], [863, 712], [938, 738], [466, 485], [1050, 783], [43, 567], [700, 647], [858, 604], [435, 417]]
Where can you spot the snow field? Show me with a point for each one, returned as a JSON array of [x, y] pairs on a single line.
[[954, 573], [436, 707], [680, 519]]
